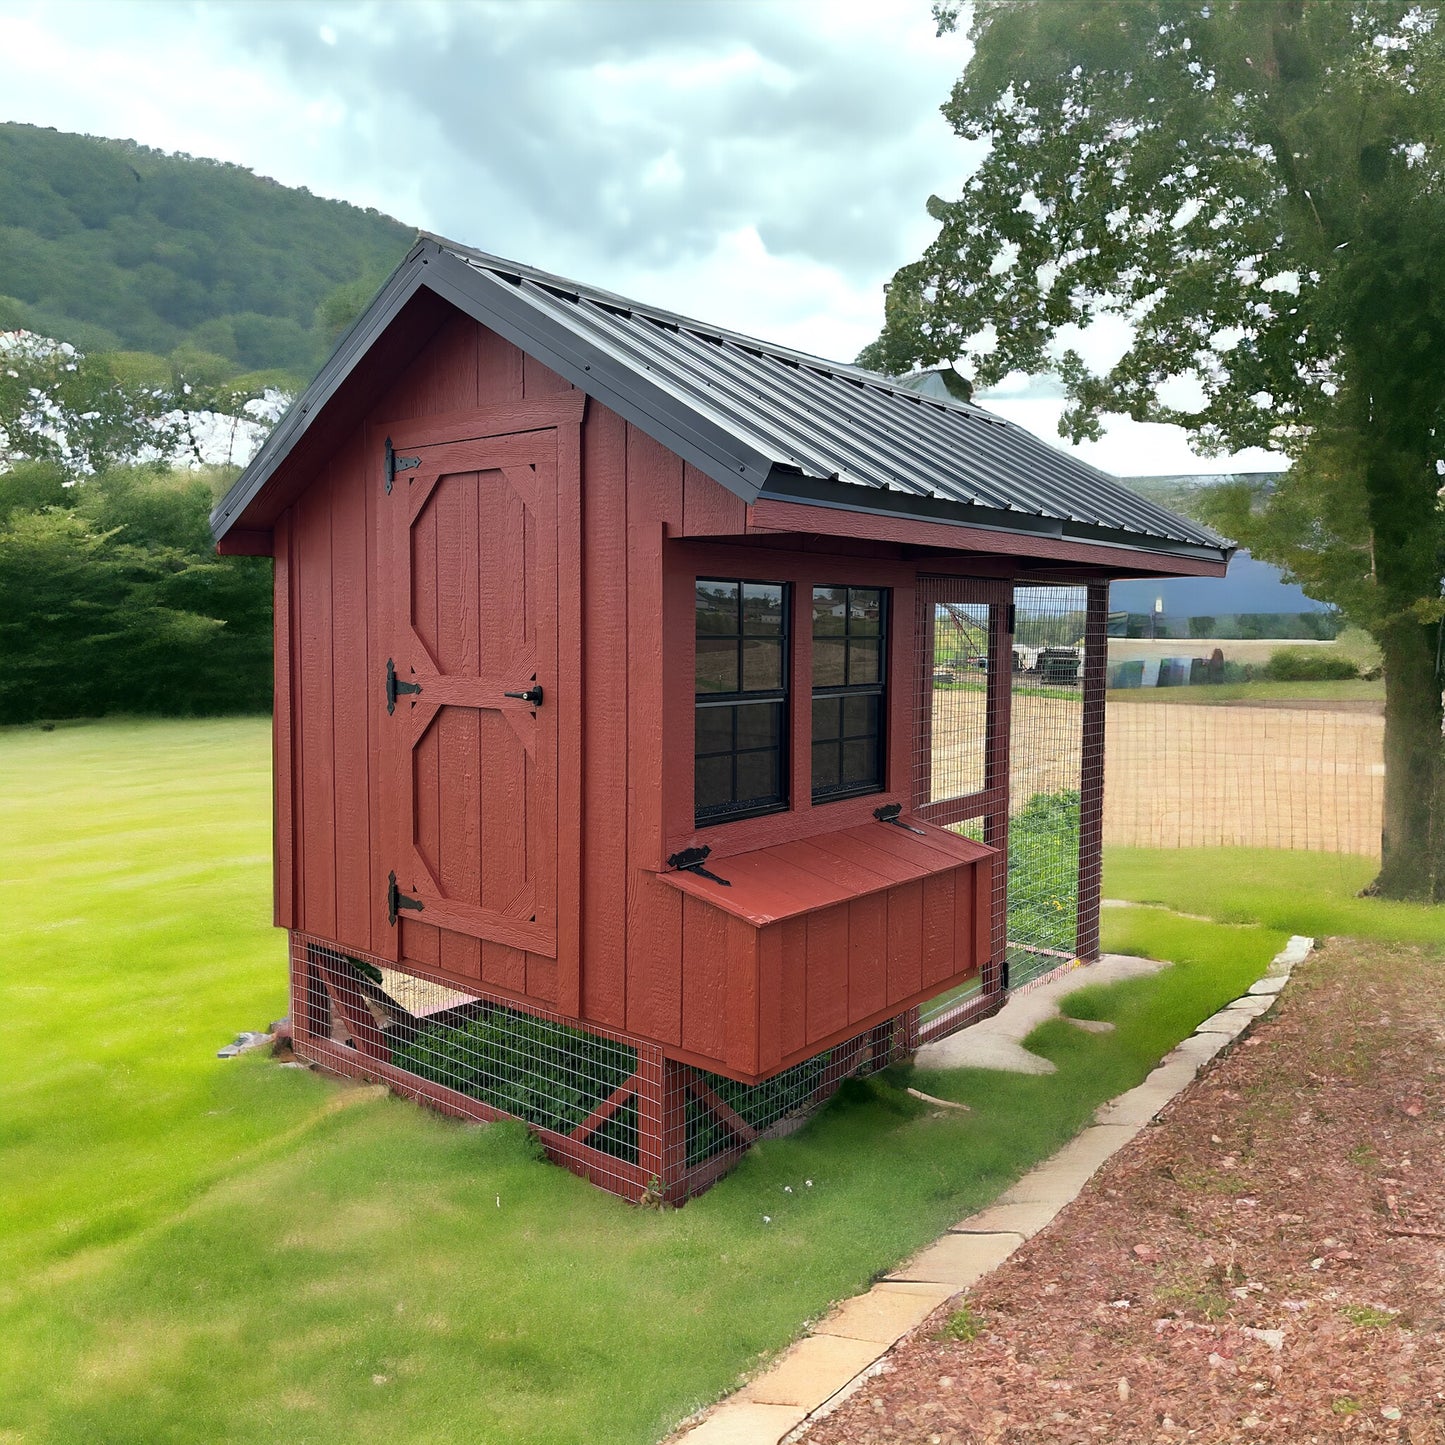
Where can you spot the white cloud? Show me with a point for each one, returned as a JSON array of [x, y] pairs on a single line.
[[761, 164]]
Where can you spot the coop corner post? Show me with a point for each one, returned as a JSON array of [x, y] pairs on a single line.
[[1091, 772]]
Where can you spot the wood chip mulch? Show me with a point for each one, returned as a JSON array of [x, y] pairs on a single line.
[[1264, 1263]]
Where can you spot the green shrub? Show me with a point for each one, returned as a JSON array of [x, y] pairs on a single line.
[[544, 1073], [1043, 872], [1307, 664]]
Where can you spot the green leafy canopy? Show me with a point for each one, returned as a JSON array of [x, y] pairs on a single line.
[[1250, 194]]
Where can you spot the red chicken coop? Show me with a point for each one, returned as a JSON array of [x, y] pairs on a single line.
[[611, 784]]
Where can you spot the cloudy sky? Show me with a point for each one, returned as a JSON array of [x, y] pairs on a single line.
[[759, 163]]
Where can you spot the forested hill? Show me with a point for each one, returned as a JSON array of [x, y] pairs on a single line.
[[113, 246]]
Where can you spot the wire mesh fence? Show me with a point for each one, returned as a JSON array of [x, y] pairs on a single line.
[[1004, 753], [608, 1107], [1287, 775]]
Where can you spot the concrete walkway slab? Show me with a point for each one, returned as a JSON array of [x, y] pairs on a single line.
[[1020, 1218], [739, 1422], [886, 1313], [1058, 1180], [959, 1260], [815, 1368]]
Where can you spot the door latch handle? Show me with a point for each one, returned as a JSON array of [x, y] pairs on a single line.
[[532, 695]]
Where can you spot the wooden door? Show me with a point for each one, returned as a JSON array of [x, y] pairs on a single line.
[[473, 544]]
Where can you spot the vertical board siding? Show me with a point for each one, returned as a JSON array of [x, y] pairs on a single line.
[[604, 727], [867, 954], [283, 780], [706, 959], [317, 762], [709, 509], [905, 941], [828, 1007], [352, 672], [940, 938], [654, 911], [539, 380]]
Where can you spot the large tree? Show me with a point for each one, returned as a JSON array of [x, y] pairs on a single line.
[[1255, 187]]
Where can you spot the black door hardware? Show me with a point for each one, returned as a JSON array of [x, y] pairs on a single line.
[[396, 899], [690, 860], [532, 695], [395, 464], [394, 688], [889, 812]]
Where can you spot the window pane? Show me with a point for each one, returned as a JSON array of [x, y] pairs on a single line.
[[825, 718], [762, 665], [860, 716], [713, 782], [865, 611], [714, 730], [757, 776], [863, 660], [825, 766], [830, 610], [828, 657], [717, 607], [860, 762], [762, 608], [758, 724], [717, 664]]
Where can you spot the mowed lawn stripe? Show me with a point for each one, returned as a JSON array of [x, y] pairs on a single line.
[[193, 1250]]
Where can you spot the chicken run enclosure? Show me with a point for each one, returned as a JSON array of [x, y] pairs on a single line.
[[668, 725]]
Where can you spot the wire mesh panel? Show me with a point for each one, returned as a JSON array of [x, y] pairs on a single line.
[[1046, 765], [613, 1109], [960, 758], [1009, 750], [1291, 774]]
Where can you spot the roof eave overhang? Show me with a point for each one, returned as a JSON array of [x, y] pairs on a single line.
[[825, 496]]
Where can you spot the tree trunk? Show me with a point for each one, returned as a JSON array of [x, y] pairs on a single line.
[[1413, 842]]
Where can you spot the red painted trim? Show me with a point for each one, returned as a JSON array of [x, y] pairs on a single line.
[[1091, 773], [770, 516], [241, 542]]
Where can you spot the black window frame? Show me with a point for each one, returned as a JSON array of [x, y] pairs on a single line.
[[876, 689], [779, 696]]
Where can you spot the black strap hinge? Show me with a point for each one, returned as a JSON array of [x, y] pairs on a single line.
[[690, 860], [395, 464], [396, 899], [394, 687], [889, 812]]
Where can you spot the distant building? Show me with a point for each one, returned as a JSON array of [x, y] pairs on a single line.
[[1252, 600]]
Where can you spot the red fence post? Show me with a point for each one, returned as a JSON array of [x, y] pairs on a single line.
[[1091, 772]]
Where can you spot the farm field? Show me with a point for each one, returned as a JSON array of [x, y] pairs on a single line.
[[193, 1249], [1275, 765]]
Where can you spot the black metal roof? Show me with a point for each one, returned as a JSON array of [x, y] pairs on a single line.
[[763, 420]]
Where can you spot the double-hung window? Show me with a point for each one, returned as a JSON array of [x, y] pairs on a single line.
[[741, 689], [850, 627]]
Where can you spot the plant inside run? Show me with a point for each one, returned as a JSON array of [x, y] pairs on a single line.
[[849, 633], [741, 699]]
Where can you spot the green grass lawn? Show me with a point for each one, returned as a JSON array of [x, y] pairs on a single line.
[[197, 1250], [1347, 690]]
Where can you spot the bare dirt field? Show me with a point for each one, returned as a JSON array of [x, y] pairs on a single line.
[[1286, 776], [1266, 1263], [1260, 777]]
